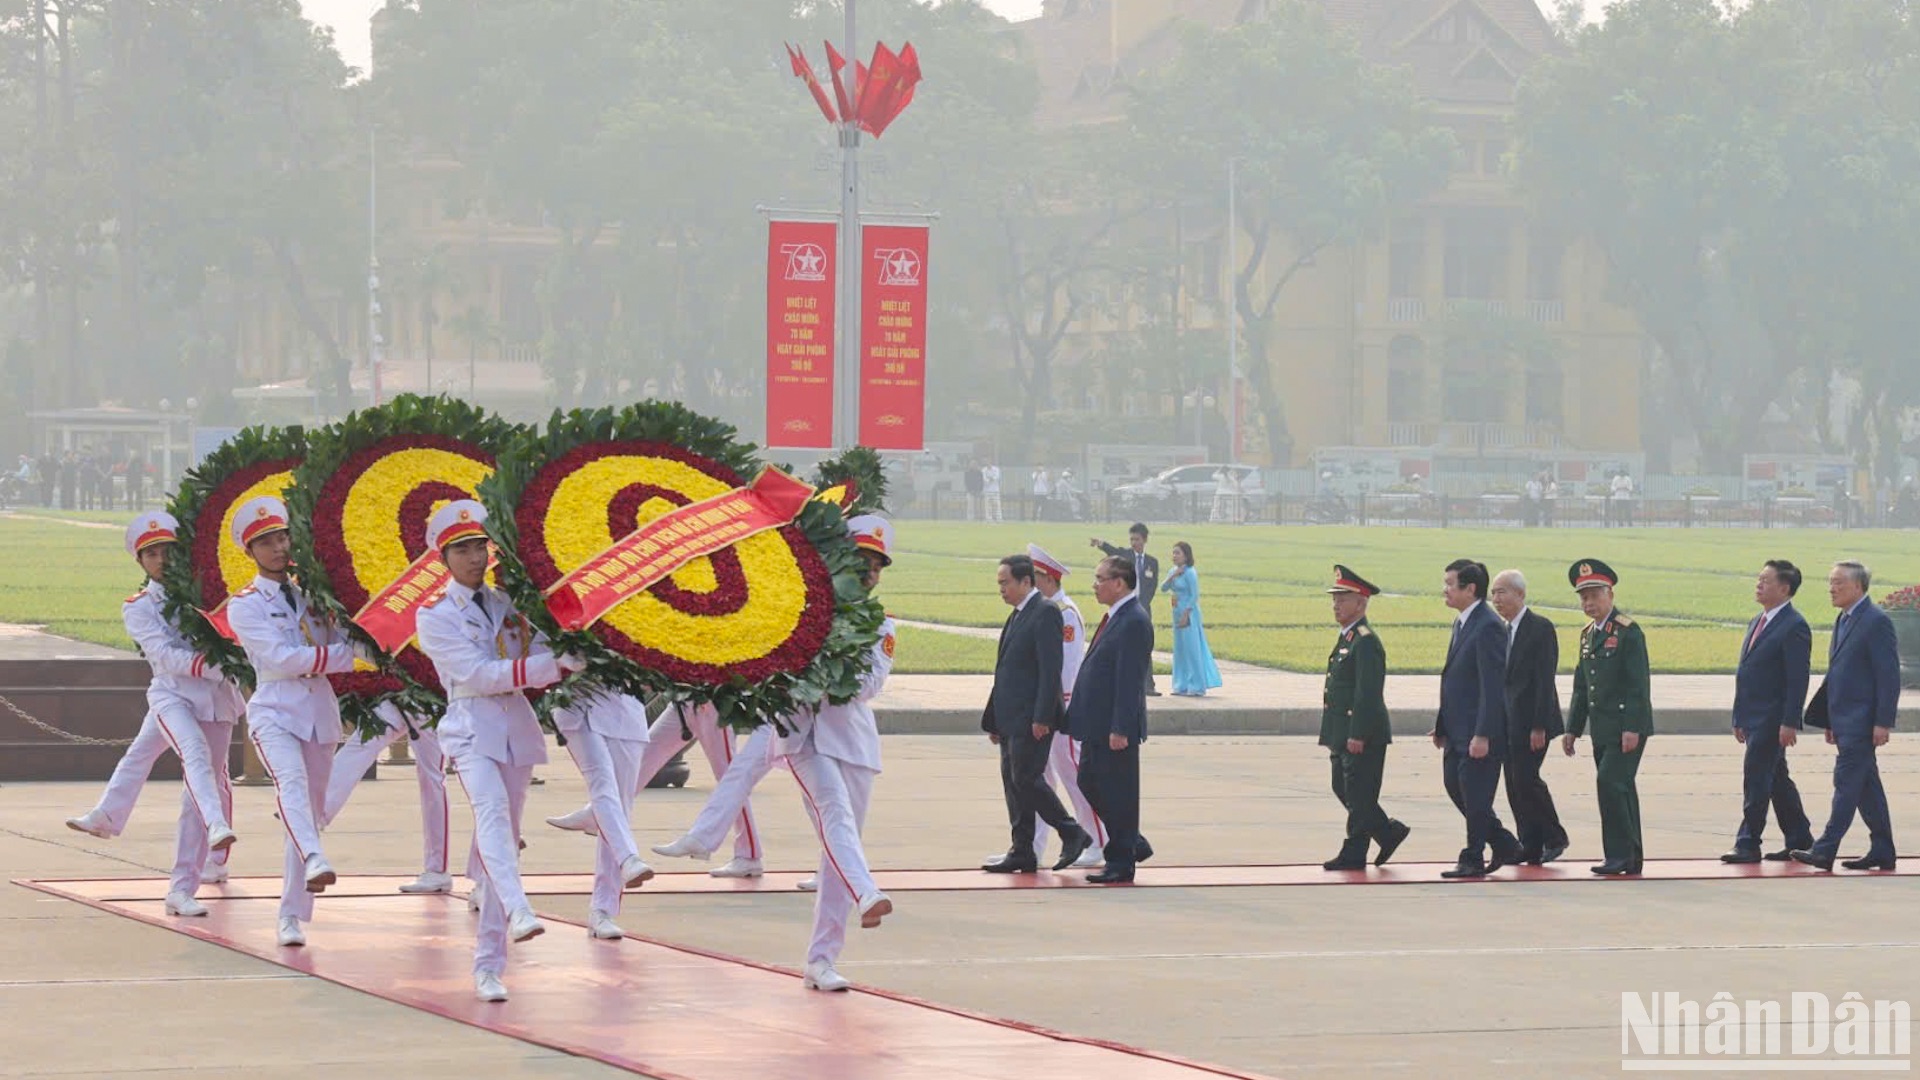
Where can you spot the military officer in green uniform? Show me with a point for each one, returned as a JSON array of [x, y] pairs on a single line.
[[1611, 693], [1354, 728]]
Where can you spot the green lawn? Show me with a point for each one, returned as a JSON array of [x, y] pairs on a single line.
[[1261, 587], [1263, 599]]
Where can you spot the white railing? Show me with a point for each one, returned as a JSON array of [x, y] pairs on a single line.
[[520, 353], [1406, 434], [1402, 310], [1476, 307], [1547, 311]]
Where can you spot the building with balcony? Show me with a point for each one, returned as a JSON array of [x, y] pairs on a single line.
[[1465, 325]]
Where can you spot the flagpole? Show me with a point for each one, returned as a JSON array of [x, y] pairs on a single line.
[[847, 362]]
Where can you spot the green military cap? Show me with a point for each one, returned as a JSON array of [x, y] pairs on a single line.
[[1591, 573], [1345, 580]]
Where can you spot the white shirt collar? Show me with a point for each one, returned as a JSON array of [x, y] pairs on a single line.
[[1120, 603], [1027, 599], [1467, 614], [1521, 614], [1855, 606], [1767, 615], [1348, 629]]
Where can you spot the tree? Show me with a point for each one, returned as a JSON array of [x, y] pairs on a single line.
[[1325, 145]]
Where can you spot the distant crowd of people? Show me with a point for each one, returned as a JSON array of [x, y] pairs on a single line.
[[81, 480]]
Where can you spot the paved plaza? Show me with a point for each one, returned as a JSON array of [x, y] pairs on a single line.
[[1420, 980]]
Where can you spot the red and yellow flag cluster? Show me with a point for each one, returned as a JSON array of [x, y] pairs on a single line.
[[879, 91]]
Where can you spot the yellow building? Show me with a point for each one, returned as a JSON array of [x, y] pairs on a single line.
[[1465, 325]]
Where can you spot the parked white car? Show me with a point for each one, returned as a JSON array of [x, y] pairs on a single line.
[[1184, 488]]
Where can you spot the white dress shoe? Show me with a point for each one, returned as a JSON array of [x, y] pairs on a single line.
[[93, 823], [580, 820], [525, 925], [213, 873], [319, 874], [488, 987], [1089, 859], [290, 934], [873, 907], [601, 925], [179, 903], [737, 867], [429, 882], [808, 883], [476, 896], [220, 838], [683, 848], [634, 871], [821, 976]]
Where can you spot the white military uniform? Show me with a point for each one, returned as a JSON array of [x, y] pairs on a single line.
[[430, 774], [486, 654], [834, 753], [1063, 757], [191, 709], [607, 736], [293, 717]]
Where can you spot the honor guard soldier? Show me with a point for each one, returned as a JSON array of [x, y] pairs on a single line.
[[1612, 688], [1354, 726], [1063, 761], [191, 707], [430, 774], [293, 717], [834, 752], [606, 735], [486, 655]]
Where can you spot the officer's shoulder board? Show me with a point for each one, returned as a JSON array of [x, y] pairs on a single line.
[[1365, 631], [248, 591], [434, 599], [1621, 620], [134, 598]]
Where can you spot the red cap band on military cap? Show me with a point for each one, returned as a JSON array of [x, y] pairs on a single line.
[[456, 532], [261, 526], [156, 535]]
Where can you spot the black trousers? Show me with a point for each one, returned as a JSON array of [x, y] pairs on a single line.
[[1534, 817], [1110, 779], [1471, 784], [1023, 765], [1356, 783], [1767, 783]]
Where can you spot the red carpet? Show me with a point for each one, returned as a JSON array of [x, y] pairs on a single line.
[[1151, 876], [654, 1009]]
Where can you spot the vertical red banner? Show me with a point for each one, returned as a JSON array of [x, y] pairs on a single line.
[[893, 337], [800, 268]]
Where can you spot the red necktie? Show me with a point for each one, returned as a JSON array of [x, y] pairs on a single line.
[[1755, 636], [1097, 629]]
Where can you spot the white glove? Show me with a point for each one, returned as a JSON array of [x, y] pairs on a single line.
[[570, 663]]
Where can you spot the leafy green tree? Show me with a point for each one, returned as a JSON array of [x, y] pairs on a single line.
[[1325, 143]]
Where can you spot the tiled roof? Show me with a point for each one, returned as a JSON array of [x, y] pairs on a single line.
[[1081, 81]]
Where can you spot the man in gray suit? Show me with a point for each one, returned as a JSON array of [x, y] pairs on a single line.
[[1023, 709]]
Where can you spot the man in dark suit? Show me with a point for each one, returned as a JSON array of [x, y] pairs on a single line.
[[1022, 710], [1769, 693], [1533, 717], [1354, 726], [1146, 576], [1108, 717], [1856, 704], [1472, 724]]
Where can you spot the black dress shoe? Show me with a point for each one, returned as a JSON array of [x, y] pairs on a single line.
[[1346, 861], [1552, 852], [1870, 863], [1634, 868], [1390, 841], [1111, 877], [1510, 857], [1529, 857], [1072, 848], [1466, 869], [1008, 864], [1142, 851], [1613, 869], [1740, 856], [1818, 862], [1783, 855]]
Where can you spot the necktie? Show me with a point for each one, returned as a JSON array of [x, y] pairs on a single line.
[[286, 593], [1513, 631], [1139, 570], [1097, 629], [1759, 624], [480, 601]]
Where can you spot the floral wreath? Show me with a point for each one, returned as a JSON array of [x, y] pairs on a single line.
[[773, 624], [358, 510], [206, 568]]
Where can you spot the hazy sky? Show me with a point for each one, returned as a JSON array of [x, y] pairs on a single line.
[[349, 21]]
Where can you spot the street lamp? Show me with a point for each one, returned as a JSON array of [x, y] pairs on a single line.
[[1233, 320]]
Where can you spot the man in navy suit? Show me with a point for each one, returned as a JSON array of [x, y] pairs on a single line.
[[1769, 693], [1856, 704], [1108, 716], [1472, 725]]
